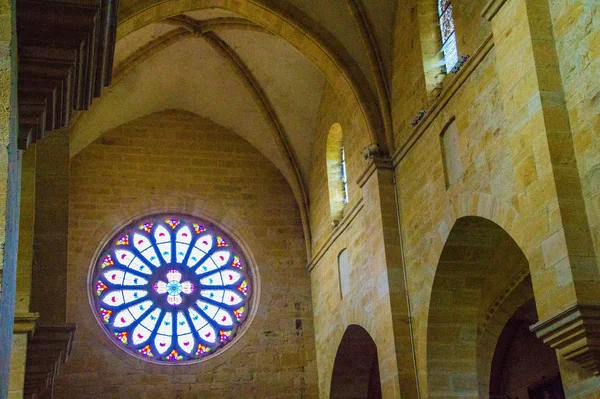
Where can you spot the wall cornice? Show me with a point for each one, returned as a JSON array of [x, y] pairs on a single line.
[[449, 91], [491, 9], [335, 233]]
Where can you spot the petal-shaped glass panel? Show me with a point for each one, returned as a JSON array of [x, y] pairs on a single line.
[[166, 325], [209, 309], [140, 335], [141, 242], [124, 257], [184, 235], [150, 321], [207, 266], [197, 319], [165, 251], [204, 243], [195, 256], [162, 343], [215, 295], [230, 277], [134, 295], [123, 319], [223, 318], [138, 310], [208, 334], [140, 266], [114, 276], [114, 298], [220, 258], [181, 251], [132, 279], [150, 255], [186, 342], [161, 234], [183, 327], [232, 298], [213, 279]]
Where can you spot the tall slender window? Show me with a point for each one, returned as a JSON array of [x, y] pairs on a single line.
[[344, 177], [449, 47], [336, 173]]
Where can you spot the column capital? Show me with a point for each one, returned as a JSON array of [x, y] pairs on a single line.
[[575, 334], [374, 162]]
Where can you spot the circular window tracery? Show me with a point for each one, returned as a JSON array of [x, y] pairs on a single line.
[[171, 289]]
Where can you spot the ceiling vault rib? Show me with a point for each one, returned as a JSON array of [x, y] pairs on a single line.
[[365, 27], [279, 133], [204, 26], [148, 50], [188, 27]]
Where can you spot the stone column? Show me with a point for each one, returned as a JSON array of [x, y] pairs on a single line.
[[9, 183], [377, 185], [564, 272], [24, 321], [51, 224]]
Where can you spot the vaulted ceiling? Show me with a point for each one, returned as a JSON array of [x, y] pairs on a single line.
[[257, 67]]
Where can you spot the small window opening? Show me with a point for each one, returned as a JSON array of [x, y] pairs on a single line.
[[451, 153], [344, 272], [337, 174], [344, 176], [448, 33]]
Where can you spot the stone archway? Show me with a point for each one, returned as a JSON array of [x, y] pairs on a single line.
[[479, 264], [356, 367]]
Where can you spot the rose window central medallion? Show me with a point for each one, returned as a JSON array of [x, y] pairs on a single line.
[[171, 289]]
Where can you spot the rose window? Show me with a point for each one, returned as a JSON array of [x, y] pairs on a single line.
[[171, 289]]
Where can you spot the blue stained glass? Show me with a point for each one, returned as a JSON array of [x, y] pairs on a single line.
[[165, 308], [448, 34]]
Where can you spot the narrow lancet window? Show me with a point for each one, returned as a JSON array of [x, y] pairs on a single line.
[[449, 47], [337, 176], [344, 177]]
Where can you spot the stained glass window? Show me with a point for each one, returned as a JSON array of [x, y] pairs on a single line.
[[344, 176], [449, 47], [171, 289]]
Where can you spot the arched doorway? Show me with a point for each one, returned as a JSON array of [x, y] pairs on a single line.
[[356, 367], [522, 365], [481, 280]]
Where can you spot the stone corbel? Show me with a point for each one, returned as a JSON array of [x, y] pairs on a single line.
[[375, 160], [25, 323], [575, 334]]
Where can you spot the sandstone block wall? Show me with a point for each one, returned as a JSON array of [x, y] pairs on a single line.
[[177, 161]]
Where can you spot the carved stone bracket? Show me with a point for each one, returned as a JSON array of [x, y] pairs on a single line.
[[47, 351], [374, 163], [575, 333], [25, 323]]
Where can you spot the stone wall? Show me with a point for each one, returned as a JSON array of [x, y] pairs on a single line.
[[360, 231], [180, 162], [506, 132], [10, 177]]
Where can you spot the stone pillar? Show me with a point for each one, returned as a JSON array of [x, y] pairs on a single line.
[[377, 185], [9, 183], [51, 224], [24, 321], [564, 272]]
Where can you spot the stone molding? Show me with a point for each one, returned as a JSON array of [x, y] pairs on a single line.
[[335, 233], [491, 9], [449, 91], [25, 323], [374, 163], [575, 334]]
